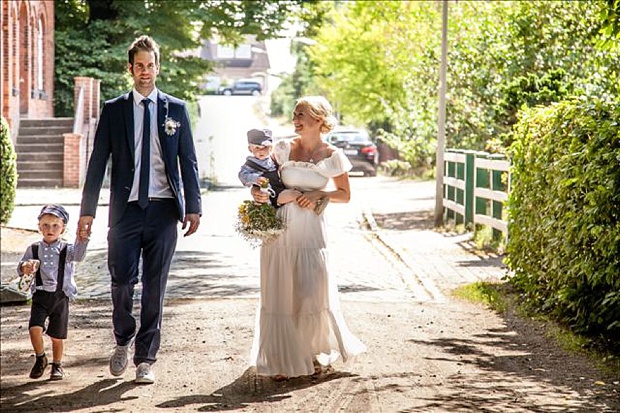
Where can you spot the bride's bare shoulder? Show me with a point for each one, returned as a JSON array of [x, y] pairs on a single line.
[[329, 149]]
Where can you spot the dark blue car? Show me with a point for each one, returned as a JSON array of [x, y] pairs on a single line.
[[358, 147]]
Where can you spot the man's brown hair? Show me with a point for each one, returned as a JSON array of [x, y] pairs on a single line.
[[143, 43]]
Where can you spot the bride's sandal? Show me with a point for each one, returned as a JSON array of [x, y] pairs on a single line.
[[318, 368], [328, 369], [279, 378]]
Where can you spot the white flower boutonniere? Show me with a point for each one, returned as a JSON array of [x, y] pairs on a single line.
[[170, 126]]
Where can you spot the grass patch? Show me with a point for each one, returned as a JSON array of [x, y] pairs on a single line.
[[486, 293], [451, 227], [487, 239], [605, 356]]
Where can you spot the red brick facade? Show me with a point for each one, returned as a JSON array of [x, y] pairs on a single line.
[[27, 60], [71, 166]]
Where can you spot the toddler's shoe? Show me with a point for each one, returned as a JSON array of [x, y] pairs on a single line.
[[57, 372], [39, 367]]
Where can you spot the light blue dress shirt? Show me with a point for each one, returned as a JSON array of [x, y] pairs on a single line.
[[49, 255]]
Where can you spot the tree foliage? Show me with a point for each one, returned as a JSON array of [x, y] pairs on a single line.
[[378, 62], [92, 37], [374, 63], [610, 31], [299, 83]]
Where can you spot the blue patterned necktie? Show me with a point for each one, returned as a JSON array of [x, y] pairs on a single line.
[[145, 160]]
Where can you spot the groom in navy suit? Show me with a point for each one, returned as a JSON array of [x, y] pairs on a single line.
[[154, 185]]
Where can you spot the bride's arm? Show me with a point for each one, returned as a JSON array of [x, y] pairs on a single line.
[[341, 194], [288, 195]]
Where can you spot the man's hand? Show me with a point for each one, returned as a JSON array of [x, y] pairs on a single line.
[[194, 221], [85, 226]]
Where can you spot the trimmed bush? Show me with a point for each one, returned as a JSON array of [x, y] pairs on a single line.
[[8, 175], [564, 213]]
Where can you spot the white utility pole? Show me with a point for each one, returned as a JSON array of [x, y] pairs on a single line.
[[441, 118]]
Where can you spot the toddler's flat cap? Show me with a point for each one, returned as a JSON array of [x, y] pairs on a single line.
[[260, 137], [56, 210]]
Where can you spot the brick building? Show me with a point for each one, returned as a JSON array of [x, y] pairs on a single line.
[[27, 61], [248, 60]]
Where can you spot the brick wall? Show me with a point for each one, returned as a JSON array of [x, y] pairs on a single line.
[[27, 61], [72, 161]]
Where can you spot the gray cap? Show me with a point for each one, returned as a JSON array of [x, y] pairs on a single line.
[[260, 137], [56, 210]]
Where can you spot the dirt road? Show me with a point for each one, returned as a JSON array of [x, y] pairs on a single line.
[[427, 351]]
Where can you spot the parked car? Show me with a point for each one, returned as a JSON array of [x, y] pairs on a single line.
[[242, 87], [358, 147]]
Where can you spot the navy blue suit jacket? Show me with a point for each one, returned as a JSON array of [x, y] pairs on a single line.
[[115, 138]]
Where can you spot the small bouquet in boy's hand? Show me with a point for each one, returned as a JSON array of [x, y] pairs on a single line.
[[258, 222], [25, 281]]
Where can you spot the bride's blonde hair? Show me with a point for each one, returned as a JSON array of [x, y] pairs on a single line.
[[319, 108]]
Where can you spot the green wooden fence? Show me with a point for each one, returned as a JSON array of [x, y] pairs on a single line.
[[476, 186]]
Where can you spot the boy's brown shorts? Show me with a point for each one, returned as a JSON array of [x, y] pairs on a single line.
[[54, 306]]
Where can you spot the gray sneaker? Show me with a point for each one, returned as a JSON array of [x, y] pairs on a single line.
[[119, 360], [144, 374]]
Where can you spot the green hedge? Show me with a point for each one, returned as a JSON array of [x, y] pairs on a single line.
[[8, 175], [564, 213]]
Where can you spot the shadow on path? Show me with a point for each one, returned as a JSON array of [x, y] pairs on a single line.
[[250, 388], [101, 393]]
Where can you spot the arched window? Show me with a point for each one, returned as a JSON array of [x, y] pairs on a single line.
[[15, 53], [39, 54]]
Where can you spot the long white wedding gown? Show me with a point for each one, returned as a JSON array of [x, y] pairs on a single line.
[[299, 318]]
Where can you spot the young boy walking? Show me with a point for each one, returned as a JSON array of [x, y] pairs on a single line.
[[50, 261]]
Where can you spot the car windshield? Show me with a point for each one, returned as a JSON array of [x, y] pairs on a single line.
[[347, 137]]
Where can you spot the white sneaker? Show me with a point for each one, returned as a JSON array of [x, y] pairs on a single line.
[[119, 360], [144, 374]]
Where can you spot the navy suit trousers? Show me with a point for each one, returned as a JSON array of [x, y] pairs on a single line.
[[150, 233]]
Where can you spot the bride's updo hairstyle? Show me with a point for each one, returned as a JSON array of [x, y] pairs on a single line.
[[319, 108]]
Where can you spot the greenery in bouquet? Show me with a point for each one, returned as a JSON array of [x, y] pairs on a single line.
[[258, 223]]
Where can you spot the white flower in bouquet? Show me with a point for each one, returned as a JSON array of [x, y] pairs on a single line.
[[258, 223]]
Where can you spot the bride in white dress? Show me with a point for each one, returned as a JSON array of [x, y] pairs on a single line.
[[300, 328]]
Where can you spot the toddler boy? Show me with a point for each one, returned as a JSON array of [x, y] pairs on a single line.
[[260, 168], [51, 262]]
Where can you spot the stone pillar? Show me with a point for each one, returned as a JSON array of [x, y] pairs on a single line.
[[87, 84]]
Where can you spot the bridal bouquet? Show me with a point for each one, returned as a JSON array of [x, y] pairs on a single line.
[[258, 222]]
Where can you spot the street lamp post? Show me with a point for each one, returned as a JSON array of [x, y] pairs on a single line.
[[441, 118]]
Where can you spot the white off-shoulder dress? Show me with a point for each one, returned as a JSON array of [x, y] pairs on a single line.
[[299, 318]]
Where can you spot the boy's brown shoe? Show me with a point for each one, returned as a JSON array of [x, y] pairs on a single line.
[[57, 372], [39, 367]]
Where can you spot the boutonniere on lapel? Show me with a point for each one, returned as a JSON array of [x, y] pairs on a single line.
[[170, 125]]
